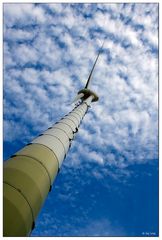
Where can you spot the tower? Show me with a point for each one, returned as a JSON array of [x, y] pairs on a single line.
[[30, 172]]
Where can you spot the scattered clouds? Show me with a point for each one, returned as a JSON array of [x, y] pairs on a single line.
[[49, 50], [45, 53], [102, 227]]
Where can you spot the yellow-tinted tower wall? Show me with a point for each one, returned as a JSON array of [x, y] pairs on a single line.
[[29, 173]]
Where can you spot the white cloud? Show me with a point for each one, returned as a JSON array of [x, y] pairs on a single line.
[[42, 76], [18, 34], [103, 227], [23, 14], [24, 54]]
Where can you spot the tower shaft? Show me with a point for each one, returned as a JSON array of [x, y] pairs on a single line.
[[30, 173]]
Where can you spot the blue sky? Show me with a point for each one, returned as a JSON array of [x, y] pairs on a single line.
[[108, 184]]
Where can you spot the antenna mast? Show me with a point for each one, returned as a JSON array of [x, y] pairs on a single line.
[[86, 92], [90, 75]]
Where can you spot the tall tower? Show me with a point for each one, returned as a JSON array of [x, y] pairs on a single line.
[[30, 172]]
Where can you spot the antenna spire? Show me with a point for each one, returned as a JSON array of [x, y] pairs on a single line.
[[90, 75], [84, 93]]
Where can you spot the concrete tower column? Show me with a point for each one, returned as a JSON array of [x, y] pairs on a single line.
[[30, 172]]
